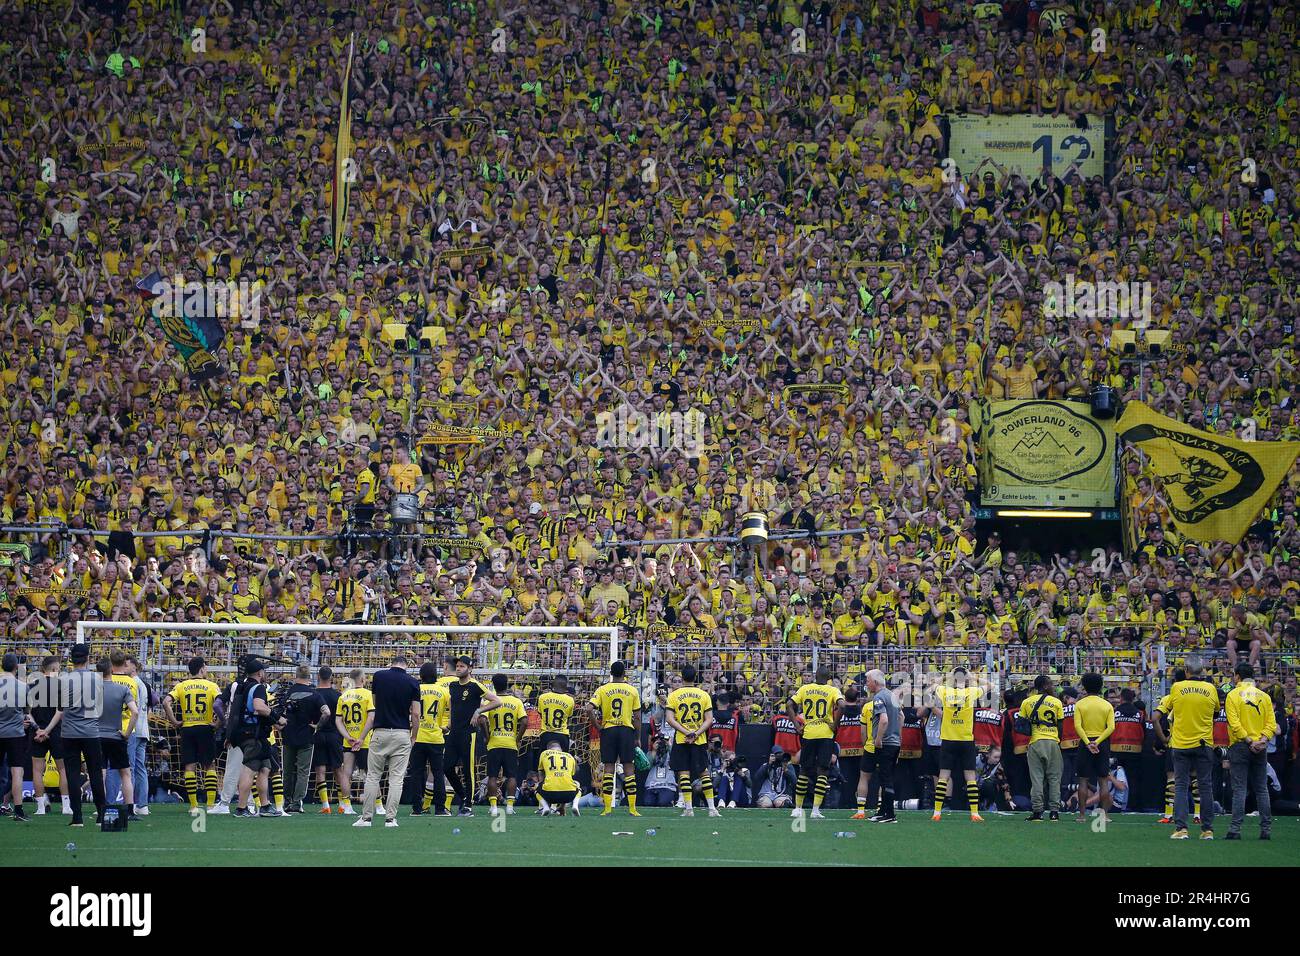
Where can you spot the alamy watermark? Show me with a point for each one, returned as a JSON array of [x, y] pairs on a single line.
[[629, 427], [1089, 300]]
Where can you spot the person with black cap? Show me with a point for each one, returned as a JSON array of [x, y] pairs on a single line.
[[80, 693], [250, 731]]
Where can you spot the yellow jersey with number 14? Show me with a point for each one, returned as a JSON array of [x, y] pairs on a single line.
[[504, 723], [435, 703], [617, 701]]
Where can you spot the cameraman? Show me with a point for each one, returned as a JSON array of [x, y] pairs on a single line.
[[732, 785], [304, 711], [249, 732], [660, 781], [774, 782], [995, 793]]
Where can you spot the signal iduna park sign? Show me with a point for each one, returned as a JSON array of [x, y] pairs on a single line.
[[1046, 455]]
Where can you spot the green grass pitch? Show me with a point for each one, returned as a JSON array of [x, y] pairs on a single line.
[[739, 838]]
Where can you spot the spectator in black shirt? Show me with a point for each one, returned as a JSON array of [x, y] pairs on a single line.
[[397, 718], [304, 712]]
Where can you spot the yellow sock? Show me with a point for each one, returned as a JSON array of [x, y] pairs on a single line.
[[192, 788], [510, 801], [447, 800], [492, 802], [345, 802], [210, 788]]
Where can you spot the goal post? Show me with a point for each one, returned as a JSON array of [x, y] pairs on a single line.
[[530, 657]]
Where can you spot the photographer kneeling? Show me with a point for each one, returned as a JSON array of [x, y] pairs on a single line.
[[775, 781], [249, 731], [304, 710]]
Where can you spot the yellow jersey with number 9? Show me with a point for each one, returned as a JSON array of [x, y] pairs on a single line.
[[504, 723], [556, 709], [557, 769], [690, 706], [816, 702], [195, 698], [617, 701], [354, 704], [958, 711], [435, 707]]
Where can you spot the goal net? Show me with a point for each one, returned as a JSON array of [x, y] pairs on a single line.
[[530, 657]]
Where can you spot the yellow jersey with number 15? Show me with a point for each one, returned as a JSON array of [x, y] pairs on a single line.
[[504, 723], [194, 699], [958, 711], [617, 701], [816, 702]]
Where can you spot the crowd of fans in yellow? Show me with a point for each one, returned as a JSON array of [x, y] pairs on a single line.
[[761, 188]]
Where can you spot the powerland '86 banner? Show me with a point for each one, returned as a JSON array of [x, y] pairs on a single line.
[[1045, 454], [1028, 144]]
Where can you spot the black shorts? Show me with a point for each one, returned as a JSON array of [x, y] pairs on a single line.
[[1088, 764], [328, 752], [618, 745], [360, 758], [691, 758], [256, 754], [502, 760], [198, 745], [929, 761], [116, 756], [558, 798], [868, 764], [15, 750], [554, 736], [957, 755], [815, 755], [51, 746]]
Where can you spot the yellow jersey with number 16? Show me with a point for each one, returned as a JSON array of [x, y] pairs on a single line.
[[504, 723]]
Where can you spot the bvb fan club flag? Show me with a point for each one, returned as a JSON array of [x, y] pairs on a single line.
[[194, 329], [344, 169], [1216, 486]]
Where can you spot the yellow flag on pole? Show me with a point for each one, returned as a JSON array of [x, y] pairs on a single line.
[[344, 168], [1215, 485]]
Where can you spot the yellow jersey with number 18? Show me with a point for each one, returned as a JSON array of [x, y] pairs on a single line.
[[958, 711], [504, 723], [556, 709], [617, 701], [816, 702]]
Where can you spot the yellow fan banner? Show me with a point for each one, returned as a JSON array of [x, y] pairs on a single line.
[[1215, 485]]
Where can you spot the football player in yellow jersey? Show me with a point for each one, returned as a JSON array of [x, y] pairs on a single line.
[[1191, 705], [196, 697], [118, 760], [614, 708], [1251, 725], [505, 721], [818, 706], [956, 699], [430, 740], [1094, 722], [689, 711], [559, 790], [354, 718], [556, 708]]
